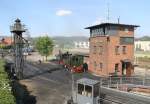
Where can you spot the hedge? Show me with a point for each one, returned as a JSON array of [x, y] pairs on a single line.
[[6, 96]]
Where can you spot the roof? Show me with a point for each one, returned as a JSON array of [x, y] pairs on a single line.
[[112, 24], [87, 81], [7, 40], [80, 54]]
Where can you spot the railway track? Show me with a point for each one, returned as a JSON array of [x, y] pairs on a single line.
[[120, 97]]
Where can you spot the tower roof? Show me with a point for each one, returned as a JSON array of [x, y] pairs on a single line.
[[17, 20], [111, 24]]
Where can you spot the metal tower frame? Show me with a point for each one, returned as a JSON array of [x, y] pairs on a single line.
[[17, 29]]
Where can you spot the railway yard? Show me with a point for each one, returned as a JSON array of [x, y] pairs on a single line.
[[50, 83]]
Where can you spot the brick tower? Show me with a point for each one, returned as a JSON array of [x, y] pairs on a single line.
[[112, 49]]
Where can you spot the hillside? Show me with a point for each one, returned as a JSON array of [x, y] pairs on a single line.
[[67, 42], [144, 38]]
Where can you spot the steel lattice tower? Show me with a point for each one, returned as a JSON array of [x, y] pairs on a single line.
[[17, 29]]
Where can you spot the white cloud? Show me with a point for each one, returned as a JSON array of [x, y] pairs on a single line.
[[63, 12]]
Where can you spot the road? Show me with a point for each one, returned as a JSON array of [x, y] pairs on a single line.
[[50, 85]]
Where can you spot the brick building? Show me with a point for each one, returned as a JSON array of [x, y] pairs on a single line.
[[111, 49]]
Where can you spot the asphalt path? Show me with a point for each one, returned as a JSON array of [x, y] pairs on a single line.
[[50, 85]]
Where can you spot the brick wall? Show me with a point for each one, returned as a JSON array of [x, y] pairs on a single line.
[[108, 57]]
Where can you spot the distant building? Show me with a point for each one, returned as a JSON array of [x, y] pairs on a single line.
[[81, 44], [142, 45], [111, 49], [6, 41]]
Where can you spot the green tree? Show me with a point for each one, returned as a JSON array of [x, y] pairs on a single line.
[[44, 45]]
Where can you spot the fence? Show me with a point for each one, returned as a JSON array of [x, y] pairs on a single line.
[[134, 81]]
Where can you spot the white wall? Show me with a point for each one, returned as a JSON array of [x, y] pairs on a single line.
[[81, 44], [143, 45]]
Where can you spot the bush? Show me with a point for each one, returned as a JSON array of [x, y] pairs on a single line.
[[6, 96]]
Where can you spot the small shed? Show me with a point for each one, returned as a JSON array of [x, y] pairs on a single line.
[[87, 91]]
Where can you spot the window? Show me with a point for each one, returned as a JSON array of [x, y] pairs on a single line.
[[139, 46], [88, 91], [97, 32], [126, 40], [126, 30], [95, 65], [124, 49], [116, 68], [94, 32], [111, 30], [81, 89], [100, 49], [96, 90], [117, 50], [101, 66]]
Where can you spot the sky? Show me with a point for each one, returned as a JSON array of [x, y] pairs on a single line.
[[70, 17]]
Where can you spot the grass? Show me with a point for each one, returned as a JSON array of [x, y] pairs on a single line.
[[6, 96]]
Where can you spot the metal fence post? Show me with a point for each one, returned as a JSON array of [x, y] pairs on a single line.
[[120, 80], [110, 82], [143, 80], [132, 82], [117, 86]]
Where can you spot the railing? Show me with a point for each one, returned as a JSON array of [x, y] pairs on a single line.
[[17, 28], [115, 81]]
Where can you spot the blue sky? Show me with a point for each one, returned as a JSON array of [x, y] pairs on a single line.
[[70, 17]]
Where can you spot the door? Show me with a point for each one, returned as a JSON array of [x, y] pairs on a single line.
[[126, 68]]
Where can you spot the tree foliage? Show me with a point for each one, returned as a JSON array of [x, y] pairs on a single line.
[[6, 96], [2, 46], [44, 45]]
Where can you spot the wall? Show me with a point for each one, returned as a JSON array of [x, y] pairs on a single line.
[[109, 57], [97, 57], [114, 59]]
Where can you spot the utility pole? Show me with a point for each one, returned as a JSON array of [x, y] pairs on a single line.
[[17, 29], [108, 12]]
